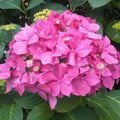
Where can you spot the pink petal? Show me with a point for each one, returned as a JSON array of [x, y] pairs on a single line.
[[94, 27], [20, 48], [63, 48], [71, 59], [42, 94], [66, 89], [52, 101], [9, 86], [106, 72], [108, 82], [109, 58], [47, 77], [33, 39], [55, 88], [82, 88], [94, 35], [92, 79], [46, 58], [20, 89]]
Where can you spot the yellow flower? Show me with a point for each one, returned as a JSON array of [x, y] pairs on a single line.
[[116, 26], [42, 15], [9, 27], [2, 82]]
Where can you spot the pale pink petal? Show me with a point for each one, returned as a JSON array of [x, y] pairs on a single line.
[[46, 58], [94, 35], [52, 101], [71, 59], [33, 39], [9, 86], [20, 48], [94, 27]]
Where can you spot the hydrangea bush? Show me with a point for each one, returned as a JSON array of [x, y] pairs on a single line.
[[63, 59]]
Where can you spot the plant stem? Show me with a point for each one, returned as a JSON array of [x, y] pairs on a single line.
[[25, 13], [70, 4]]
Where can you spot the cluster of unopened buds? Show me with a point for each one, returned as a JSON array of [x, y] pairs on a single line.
[[60, 56]]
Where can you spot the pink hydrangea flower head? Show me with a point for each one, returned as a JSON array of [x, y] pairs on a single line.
[[60, 56]]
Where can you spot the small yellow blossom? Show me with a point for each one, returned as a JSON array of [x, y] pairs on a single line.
[[9, 27], [2, 82], [42, 15], [116, 26]]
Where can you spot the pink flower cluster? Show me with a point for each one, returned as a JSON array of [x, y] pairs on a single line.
[[60, 56]]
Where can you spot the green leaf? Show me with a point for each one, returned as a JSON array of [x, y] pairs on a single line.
[[116, 3], [34, 3], [40, 112], [80, 113], [59, 8], [113, 34], [2, 47], [98, 3], [29, 100], [5, 99], [106, 106], [67, 104], [77, 3], [11, 112], [10, 4], [101, 28]]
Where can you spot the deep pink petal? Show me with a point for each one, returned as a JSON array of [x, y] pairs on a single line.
[[109, 58], [82, 88], [92, 79], [66, 89], [108, 82], [63, 48], [47, 77], [55, 88], [106, 72]]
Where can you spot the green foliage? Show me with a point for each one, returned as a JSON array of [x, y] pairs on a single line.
[[55, 6], [34, 3], [106, 106], [80, 113], [10, 4], [67, 104], [28, 101], [77, 3], [11, 112], [41, 112], [2, 47], [112, 33], [98, 3]]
